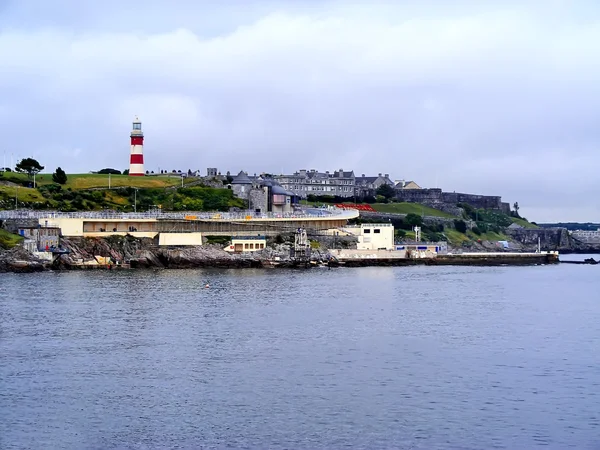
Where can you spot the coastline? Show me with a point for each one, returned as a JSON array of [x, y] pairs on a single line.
[[137, 254]]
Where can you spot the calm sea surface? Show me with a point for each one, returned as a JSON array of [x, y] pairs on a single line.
[[413, 357]]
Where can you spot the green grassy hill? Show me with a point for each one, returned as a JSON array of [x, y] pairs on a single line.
[[9, 240], [93, 180], [90, 192], [409, 208], [523, 223]]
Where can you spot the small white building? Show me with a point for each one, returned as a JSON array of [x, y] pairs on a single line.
[[373, 236], [243, 244]]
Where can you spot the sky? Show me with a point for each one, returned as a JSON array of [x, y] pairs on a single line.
[[496, 97]]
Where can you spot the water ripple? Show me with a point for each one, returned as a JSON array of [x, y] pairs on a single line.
[[415, 357]]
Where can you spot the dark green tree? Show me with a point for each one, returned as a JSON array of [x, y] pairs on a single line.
[[386, 191], [460, 226], [29, 166], [59, 176], [414, 220]]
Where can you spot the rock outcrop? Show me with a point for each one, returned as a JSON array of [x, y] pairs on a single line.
[[144, 253], [557, 239], [18, 259]]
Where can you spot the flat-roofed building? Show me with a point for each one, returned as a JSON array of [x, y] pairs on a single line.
[[241, 244]]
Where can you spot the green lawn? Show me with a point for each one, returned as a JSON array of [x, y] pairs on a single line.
[[456, 238], [523, 223], [408, 208], [93, 180], [24, 194], [489, 236], [9, 240]]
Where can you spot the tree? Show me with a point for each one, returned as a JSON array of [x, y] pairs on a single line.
[[29, 166], [460, 226], [516, 208], [414, 220], [111, 171], [59, 176], [386, 191], [126, 172]]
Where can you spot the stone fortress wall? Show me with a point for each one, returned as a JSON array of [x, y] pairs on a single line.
[[448, 201]]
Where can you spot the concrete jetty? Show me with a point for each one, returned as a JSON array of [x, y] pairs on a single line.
[[459, 259]]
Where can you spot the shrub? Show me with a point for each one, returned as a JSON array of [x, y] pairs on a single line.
[[460, 225]]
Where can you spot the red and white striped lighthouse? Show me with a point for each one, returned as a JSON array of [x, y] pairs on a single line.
[[136, 159]]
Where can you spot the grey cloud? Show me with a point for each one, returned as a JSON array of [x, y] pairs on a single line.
[[498, 99]]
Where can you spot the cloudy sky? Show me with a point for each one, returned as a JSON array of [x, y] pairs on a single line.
[[494, 97]]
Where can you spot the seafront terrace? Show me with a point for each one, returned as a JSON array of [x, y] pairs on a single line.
[[151, 223], [309, 213]]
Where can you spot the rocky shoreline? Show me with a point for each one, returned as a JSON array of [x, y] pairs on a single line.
[[136, 253]]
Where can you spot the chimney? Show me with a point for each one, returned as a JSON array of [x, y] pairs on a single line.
[[379, 174], [327, 172], [341, 173], [363, 175], [387, 175]]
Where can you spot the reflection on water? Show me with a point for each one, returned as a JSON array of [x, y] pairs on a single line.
[[413, 357]]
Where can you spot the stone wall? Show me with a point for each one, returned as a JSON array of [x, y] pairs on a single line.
[[424, 196], [257, 199], [427, 220], [447, 201], [476, 201], [13, 225]]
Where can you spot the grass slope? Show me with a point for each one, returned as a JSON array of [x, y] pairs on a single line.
[[408, 208], [23, 194], [93, 180], [9, 240], [456, 238], [489, 236], [523, 223]]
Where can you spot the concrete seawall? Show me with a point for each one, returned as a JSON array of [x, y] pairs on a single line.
[[471, 259]]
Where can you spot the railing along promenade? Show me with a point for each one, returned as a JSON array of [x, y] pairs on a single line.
[[183, 215]]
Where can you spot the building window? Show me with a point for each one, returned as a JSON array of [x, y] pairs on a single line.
[[376, 230], [246, 246], [367, 231]]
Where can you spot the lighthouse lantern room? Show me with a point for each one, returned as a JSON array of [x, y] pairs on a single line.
[[136, 158]]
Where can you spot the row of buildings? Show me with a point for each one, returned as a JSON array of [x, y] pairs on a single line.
[[280, 193], [303, 183]]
